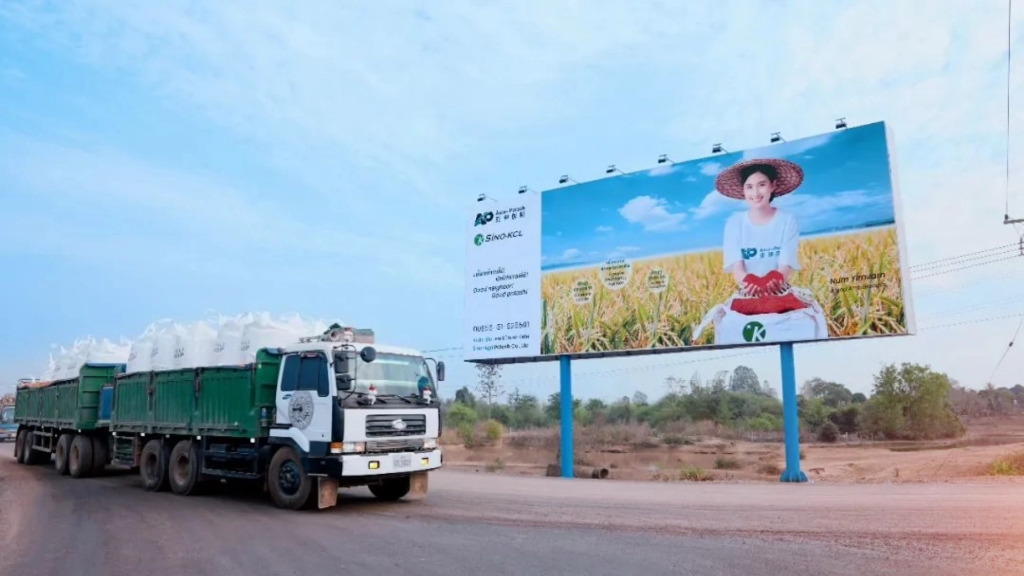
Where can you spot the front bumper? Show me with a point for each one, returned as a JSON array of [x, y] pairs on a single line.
[[8, 435], [393, 463]]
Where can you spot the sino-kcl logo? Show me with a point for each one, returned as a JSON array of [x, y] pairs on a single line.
[[754, 332], [480, 239]]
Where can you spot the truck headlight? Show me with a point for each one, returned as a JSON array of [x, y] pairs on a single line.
[[348, 447], [430, 443]]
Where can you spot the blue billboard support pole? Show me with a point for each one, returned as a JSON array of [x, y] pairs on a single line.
[[790, 416], [566, 415]]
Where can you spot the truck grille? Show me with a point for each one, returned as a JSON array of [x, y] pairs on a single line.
[[378, 425], [398, 445]]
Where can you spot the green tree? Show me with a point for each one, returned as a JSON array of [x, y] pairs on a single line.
[[832, 394], [912, 402], [744, 381]]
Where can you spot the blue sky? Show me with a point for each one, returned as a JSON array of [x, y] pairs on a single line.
[[160, 160], [674, 208]]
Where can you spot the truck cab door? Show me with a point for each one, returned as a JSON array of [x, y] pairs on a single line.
[[304, 401]]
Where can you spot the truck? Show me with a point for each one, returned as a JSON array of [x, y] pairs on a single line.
[[331, 411], [8, 428]]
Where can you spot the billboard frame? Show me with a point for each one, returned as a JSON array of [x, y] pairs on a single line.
[[791, 431]]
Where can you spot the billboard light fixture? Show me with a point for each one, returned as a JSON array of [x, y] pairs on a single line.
[[777, 137], [611, 169], [840, 123], [525, 189], [717, 149], [483, 197], [663, 158], [565, 178]]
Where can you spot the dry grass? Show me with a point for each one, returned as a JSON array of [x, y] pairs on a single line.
[[634, 318], [1012, 465]]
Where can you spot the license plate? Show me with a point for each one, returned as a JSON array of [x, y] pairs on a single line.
[[402, 460]]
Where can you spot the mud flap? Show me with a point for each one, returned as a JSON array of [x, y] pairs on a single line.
[[418, 484], [327, 492]]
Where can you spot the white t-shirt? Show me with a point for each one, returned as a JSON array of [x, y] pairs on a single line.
[[763, 247]]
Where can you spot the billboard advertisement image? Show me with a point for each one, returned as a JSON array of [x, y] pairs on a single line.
[[797, 241]]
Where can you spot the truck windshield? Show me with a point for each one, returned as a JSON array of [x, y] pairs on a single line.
[[393, 374], [7, 415]]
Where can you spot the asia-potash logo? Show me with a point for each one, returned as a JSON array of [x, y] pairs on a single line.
[[483, 218], [481, 239]]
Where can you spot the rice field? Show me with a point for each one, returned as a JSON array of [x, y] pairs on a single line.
[[588, 317]]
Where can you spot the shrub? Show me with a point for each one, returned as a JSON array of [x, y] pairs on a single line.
[[1012, 465], [727, 464], [829, 432], [770, 469], [493, 430], [468, 435], [695, 474]]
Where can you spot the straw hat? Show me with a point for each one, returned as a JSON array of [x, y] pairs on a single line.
[[789, 178]]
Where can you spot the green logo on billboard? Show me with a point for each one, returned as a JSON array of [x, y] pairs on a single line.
[[754, 332], [478, 239]]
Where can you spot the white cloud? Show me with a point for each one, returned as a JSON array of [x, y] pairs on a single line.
[[710, 168], [652, 214], [814, 211], [714, 204], [604, 229], [662, 170]]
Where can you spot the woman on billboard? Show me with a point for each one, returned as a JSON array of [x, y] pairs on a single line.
[[760, 246]]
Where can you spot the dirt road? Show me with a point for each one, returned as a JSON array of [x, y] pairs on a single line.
[[488, 524]]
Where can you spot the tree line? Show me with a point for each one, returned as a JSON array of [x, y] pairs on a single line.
[[907, 402]]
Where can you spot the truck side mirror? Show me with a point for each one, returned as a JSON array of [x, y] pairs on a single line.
[[440, 371], [344, 382], [368, 354]]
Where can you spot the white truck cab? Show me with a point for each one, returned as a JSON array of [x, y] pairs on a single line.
[[359, 413]]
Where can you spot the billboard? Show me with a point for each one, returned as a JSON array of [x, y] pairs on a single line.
[[793, 242]]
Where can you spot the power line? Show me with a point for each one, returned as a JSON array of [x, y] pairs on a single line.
[[965, 267], [966, 256], [1007, 351]]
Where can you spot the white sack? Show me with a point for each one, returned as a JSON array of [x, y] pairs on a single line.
[[196, 344], [165, 346], [107, 352], [265, 332], [74, 358], [51, 368], [227, 349], [140, 359], [794, 326]]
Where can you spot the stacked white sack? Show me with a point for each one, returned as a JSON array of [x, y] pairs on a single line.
[[87, 350]]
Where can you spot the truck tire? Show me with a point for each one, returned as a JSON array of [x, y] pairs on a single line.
[[80, 457], [61, 452], [100, 454], [184, 469], [153, 467], [290, 487], [19, 447], [391, 489]]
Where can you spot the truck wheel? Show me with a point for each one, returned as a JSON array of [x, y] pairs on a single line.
[[19, 447], [290, 487], [100, 454], [391, 489], [60, 461], [80, 457], [184, 469], [153, 468]]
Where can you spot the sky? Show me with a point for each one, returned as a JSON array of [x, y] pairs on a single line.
[[166, 159], [674, 208]]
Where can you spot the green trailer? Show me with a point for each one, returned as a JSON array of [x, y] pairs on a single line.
[[303, 420]]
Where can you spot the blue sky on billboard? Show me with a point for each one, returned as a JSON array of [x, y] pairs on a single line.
[[675, 209]]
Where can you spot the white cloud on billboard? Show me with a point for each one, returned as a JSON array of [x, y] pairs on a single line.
[[652, 213]]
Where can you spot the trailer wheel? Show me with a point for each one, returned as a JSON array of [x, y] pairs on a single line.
[[100, 454], [19, 446], [80, 457], [290, 487], [184, 469], [60, 462], [153, 468], [391, 489]]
